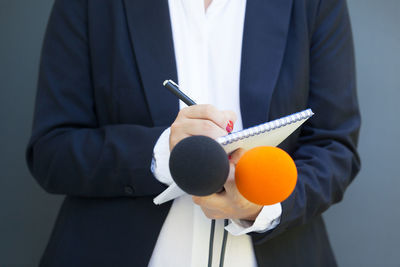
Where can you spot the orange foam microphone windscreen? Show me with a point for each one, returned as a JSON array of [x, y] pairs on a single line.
[[266, 175]]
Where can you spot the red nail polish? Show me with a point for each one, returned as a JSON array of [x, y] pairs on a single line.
[[229, 127], [229, 157]]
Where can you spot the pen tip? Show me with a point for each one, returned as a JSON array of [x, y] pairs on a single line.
[[165, 82]]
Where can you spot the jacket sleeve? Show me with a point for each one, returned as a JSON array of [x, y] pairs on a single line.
[[326, 155], [69, 152]]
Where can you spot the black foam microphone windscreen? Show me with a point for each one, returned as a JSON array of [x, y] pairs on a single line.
[[199, 165]]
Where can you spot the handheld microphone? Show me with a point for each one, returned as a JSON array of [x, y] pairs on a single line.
[[266, 175], [199, 165], [263, 175]]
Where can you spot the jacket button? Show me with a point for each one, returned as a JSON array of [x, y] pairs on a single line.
[[129, 190]]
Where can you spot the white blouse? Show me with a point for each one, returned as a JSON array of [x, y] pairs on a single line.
[[208, 46]]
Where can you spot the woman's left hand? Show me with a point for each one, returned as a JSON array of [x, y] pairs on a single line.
[[229, 204]]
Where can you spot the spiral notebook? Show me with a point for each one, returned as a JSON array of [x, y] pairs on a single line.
[[267, 134]]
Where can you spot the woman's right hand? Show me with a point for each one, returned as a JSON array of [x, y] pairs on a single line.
[[204, 120]]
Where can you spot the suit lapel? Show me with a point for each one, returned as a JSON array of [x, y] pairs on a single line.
[[151, 36], [264, 41]]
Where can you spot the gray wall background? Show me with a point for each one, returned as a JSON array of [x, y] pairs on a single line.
[[364, 228]]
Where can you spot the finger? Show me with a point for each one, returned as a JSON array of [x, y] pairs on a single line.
[[183, 128], [231, 190], [214, 201], [207, 112], [230, 185], [176, 138], [197, 127], [236, 155], [214, 214], [215, 206]]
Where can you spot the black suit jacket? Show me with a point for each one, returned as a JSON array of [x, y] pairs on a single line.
[[101, 107]]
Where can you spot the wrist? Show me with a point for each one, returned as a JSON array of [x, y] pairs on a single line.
[[254, 214], [267, 219], [160, 162]]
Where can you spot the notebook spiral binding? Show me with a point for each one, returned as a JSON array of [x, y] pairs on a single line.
[[265, 127]]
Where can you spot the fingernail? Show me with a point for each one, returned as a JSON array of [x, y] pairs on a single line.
[[229, 127], [229, 157]]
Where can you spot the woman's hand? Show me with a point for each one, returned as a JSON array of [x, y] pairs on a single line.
[[229, 203], [209, 121], [201, 120]]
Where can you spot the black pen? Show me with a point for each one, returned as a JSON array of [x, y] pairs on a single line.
[[174, 88]]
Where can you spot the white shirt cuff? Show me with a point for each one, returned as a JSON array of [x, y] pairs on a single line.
[[160, 162], [267, 219]]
